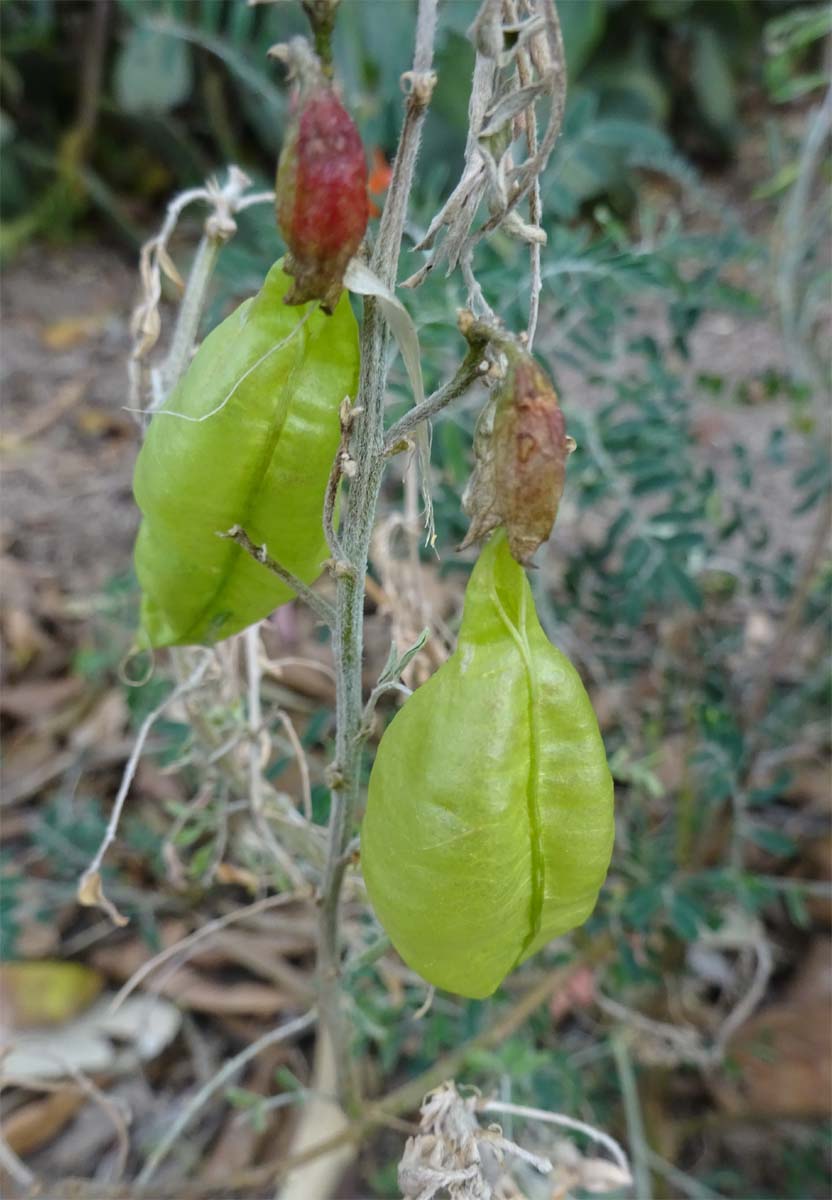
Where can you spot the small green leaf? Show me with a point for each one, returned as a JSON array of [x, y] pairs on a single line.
[[772, 841], [153, 72], [239, 1097], [582, 25], [713, 80], [396, 663], [682, 583], [796, 907], [685, 918], [641, 905]]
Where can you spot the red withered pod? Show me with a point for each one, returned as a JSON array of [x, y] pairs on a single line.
[[322, 202]]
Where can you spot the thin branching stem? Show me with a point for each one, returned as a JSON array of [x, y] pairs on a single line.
[[179, 950], [89, 887], [320, 607], [636, 1135], [471, 369], [190, 312], [229, 1069], [565, 1122]]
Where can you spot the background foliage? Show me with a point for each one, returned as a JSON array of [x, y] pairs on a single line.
[[688, 578]]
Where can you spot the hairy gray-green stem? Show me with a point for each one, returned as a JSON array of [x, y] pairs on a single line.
[[367, 450], [472, 368], [190, 312]]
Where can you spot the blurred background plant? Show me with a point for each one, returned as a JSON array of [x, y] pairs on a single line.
[[685, 315], [115, 106]]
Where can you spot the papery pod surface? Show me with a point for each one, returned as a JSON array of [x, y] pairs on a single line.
[[489, 822], [253, 445], [521, 449], [530, 453]]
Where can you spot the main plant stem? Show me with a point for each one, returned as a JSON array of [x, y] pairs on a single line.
[[367, 450], [347, 651]]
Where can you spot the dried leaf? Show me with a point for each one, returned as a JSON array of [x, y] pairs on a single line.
[[360, 279], [191, 988], [22, 636], [230, 874], [69, 332], [91, 895], [169, 268], [45, 993], [106, 723], [396, 662], [32, 1126], [784, 1059], [97, 1041], [511, 106], [27, 701], [598, 1175]]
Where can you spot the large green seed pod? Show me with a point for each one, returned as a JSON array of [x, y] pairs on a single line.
[[247, 438], [489, 823]]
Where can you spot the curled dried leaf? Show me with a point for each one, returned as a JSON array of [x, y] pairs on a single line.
[[91, 895]]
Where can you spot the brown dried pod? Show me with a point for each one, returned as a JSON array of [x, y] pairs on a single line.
[[520, 448]]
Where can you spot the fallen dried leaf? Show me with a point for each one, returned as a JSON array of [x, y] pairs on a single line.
[[69, 332], [30, 701], [783, 1056], [98, 421], [36, 1123], [813, 980], [91, 895], [105, 723], [98, 1041], [228, 873], [44, 416], [22, 636], [35, 994], [812, 785], [190, 988]]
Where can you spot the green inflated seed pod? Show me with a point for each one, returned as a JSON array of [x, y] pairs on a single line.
[[489, 822], [247, 438]]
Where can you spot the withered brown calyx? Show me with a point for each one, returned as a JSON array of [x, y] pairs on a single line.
[[520, 453]]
